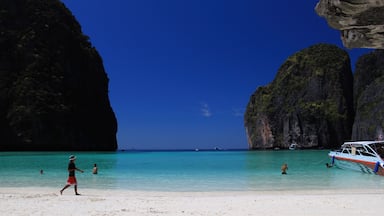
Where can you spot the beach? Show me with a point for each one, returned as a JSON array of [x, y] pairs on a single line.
[[48, 201]]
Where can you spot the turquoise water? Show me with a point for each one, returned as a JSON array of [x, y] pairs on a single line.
[[183, 171]]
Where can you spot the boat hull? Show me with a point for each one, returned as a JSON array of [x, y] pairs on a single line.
[[369, 167]]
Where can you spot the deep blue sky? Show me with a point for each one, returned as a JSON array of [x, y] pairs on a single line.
[[182, 71]]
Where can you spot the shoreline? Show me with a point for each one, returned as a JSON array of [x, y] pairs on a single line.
[[48, 201]]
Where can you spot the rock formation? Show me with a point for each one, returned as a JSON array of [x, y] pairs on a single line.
[[310, 102], [368, 97], [53, 87], [361, 22]]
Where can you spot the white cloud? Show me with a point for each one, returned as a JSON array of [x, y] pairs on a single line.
[[205, 111], [238, 112]]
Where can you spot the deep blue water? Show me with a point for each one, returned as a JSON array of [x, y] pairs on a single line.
[[183, 170]]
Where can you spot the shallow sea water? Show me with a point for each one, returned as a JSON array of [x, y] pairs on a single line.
[[184, 171]]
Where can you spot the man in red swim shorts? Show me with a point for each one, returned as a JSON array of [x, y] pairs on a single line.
[[71, 178]]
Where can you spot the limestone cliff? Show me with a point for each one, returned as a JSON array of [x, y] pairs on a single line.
[[361, 22], [53, 87], [368, 96], [310, 102]]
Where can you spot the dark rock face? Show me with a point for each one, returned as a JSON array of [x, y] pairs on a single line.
[[368, 96], [310, 102], [361, 22], [53, 87]]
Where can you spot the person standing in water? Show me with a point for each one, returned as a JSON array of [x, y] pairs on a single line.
[[94, 170], [72, 178], [284, 169]]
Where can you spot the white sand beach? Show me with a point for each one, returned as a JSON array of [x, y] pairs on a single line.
[[47, 201]]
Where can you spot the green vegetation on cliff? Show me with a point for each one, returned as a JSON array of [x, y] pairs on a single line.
[[309, 102], [368, 96]]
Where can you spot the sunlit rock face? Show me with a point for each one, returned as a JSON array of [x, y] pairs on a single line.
[[361, 22]]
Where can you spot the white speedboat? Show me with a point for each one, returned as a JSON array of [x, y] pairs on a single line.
[[293, 146], [363, 156]]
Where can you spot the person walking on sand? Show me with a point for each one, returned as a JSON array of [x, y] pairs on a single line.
[[71, 178], [94, 170], [284, 169]]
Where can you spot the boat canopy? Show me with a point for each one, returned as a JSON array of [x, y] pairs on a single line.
[[366, 148]]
